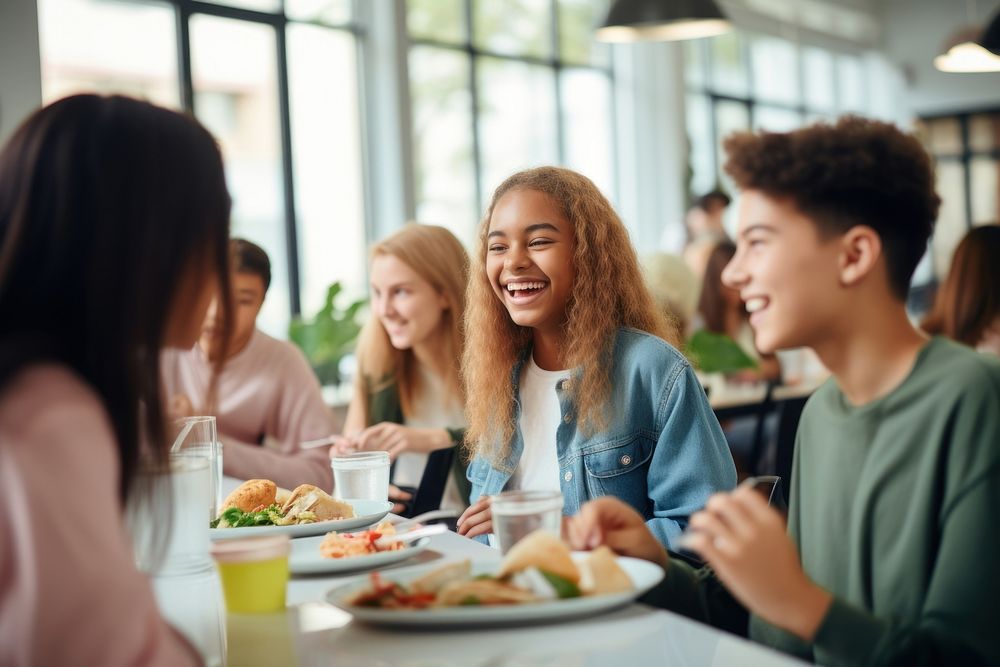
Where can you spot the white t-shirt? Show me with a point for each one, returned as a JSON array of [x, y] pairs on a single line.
[[538, 469], [430, 411]]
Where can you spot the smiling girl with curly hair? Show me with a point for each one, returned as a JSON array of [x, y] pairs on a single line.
[[572, 380]]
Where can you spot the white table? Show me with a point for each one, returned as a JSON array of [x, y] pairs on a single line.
[[312, 632]]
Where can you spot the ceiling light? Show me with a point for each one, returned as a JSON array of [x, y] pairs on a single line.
[[648, 20]]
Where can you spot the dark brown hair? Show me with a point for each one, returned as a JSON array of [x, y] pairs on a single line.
[[249, 257], [712, 302], [968, 301], [107, 205], [855, 172]]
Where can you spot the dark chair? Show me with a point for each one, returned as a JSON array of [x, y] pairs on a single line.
[[431, 490], [784, 447]]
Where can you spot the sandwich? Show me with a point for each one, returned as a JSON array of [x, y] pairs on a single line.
[[309, 498]]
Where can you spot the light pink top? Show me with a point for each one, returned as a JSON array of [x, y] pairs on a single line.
[[69, 590], [267, 393]]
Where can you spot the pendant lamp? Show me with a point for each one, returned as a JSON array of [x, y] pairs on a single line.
[[648, 20]]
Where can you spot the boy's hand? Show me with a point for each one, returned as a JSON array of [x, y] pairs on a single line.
[[179, 407], [608, 520], [745, 542], [399, 498], [478, 519]]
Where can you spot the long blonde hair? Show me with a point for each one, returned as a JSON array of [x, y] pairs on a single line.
[[439, 258], [608, 292]]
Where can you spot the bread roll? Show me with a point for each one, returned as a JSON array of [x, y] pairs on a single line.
[[543, 550], [251, 494]]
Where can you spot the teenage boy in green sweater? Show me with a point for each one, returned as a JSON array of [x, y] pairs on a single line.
[[893, 541]]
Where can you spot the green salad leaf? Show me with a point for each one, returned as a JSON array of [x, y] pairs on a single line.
[[564, 587], [234, 517]]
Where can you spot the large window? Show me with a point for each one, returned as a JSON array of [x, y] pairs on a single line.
[[740, 81], [501, 85], [276, 83], [966, 151]]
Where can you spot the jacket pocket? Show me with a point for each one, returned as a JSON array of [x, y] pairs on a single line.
[[618, 459]]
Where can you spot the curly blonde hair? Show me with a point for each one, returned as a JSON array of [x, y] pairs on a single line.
[[608, 293], [439, 258]]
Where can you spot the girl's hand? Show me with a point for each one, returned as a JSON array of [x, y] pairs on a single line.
[[608, 520], [478, 519], [398, 497], [396, 438], [179, 407], [745, 542], [342, 445]]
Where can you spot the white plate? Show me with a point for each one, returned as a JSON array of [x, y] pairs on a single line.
[[367, 511], [306, 559], [644, 576]]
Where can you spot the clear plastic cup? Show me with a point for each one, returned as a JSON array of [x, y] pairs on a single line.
[[361, 476], [517, 514], [254, 573], [197, 438]]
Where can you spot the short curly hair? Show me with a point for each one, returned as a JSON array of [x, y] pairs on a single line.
[[854, 172]]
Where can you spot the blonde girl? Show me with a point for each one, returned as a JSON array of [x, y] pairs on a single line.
[[408, 398], [572, 377]]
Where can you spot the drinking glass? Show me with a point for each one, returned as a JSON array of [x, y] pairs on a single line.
[[196, 438], [174, 544], [516, 514], [361, 476]]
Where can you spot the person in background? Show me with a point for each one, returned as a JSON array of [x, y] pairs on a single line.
[[572, 383], [114, 222], [721, 311], [704, 222], [895, 488], [967, 306], [267, 400], [674, 286], [408, 395]]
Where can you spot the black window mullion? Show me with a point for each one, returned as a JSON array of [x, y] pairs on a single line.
[[183, 15], [557, 71], [287, 177]]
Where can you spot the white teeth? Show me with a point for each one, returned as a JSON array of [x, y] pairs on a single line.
[[755, 304], [513, 287]]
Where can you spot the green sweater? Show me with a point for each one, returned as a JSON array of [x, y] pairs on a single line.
[[384, 406], [894, 509]]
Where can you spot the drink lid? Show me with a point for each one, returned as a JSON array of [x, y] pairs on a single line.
[[247, 549]]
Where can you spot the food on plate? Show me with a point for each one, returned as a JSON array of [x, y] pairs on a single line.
[[256, 503], [252, 494], [309, 498], [348, 545], [539, 568]]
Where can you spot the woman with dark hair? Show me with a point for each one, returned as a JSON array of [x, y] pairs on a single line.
[[113, 240], [721, 311], [967, 307]]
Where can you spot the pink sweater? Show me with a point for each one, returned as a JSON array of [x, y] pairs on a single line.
[[69, 590], [267, 392]]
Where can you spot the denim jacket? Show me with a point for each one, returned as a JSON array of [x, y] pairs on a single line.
[[663, 452]]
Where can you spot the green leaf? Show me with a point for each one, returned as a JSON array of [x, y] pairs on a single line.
[[564, 587], [717, 353], [329, 336]]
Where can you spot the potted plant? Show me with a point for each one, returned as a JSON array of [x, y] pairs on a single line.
[[329, 336]]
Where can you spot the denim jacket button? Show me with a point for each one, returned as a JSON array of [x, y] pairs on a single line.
[[567, 385], [568, 418], [626, 459], [568, 476]]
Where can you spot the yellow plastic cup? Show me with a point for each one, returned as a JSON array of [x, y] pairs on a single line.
[[254, 573]]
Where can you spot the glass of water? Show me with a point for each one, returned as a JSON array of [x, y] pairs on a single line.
[[361, 476], [196, 438], [516, 514]]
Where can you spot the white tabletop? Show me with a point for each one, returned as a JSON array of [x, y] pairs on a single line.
[[312, 632]]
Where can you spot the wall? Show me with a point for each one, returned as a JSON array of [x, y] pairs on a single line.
[[20, 72]]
